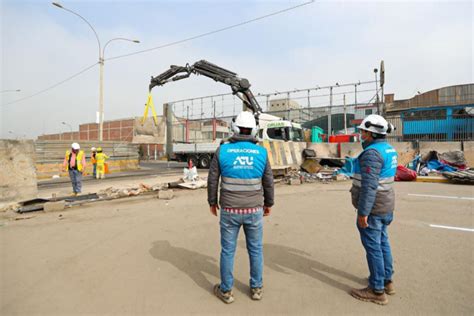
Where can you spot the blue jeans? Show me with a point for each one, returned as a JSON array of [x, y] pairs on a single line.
[[377, 247], [76, 180], [94, 170], [253, 228]]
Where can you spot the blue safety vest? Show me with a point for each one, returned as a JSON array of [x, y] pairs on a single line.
[[242, 166], [389, 167]]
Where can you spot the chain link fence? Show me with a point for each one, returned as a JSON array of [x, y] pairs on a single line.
[[336, 109]]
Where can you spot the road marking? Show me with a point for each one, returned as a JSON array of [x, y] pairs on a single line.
[[443, 196], [453, 228]]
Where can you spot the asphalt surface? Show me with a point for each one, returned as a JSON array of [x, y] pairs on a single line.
[[147, 169], [145, 256]]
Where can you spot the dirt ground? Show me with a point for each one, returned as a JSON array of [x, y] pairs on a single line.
[[148, 256]]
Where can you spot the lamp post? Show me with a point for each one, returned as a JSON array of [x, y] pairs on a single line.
[[376, 90], [101, 66], [11, 90], [70, 127]]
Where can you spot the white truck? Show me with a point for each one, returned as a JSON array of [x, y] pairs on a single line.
[[270, 127]]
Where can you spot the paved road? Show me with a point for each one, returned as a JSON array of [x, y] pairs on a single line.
[[149, 256], [148, 169]]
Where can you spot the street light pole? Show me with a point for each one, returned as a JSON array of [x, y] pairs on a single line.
[[70, 127], [11, 90], [101, 66]]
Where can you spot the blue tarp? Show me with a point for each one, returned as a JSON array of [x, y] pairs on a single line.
[[438, 165]]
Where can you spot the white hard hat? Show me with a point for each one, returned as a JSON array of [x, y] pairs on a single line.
[[376, 124], [245, 120], [75, 146], [93, 149]]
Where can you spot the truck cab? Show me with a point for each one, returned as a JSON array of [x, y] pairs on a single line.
[[277, 129]]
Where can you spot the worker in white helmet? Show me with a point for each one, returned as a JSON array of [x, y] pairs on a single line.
[[374, 198], [246, 195], [75, 164]]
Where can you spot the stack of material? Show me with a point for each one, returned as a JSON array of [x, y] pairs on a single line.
[[466, 176]]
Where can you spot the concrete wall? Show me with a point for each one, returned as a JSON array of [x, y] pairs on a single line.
[[440, 147], [17, 171], [469, 153], [324, 150]]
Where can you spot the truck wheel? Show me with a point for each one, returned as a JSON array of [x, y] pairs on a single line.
[[204, 161], [194, 160]]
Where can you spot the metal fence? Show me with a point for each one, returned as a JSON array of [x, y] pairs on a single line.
[[208, 118], [426, 127], [336, 109]]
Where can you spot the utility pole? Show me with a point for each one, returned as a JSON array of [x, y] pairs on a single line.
[[376, 91], [345, 115], [330, 113], [214, 122]]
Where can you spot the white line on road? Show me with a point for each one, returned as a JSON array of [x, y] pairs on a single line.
[[453, 228], [443, 196]]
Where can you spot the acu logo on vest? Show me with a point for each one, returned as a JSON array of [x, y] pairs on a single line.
[[243, 161]]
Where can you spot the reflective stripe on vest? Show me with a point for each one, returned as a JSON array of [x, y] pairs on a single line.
[[234, 184], [389, 167], [79, 156], [242, 166]]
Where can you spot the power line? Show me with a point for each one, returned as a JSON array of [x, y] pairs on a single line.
[[211, 32], [53, 86], [159, 47]]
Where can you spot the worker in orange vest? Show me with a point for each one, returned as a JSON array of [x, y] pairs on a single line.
[[94, 161]]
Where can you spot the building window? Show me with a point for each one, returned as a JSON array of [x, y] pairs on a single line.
[[368, 112]]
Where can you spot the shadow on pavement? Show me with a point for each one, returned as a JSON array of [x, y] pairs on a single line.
[[279, 258], [192, 263]]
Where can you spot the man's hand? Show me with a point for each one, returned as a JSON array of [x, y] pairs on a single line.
[[266, 210], [213, 209], [362, 221]]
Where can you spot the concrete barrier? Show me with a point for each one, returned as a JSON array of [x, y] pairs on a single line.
[[350, 150], [17, 171], [406, 151], [284, 154], [324, 150]]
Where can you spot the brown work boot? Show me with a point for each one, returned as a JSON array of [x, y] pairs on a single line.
[[226, 297], [368, 295], [389, 288], [256, 293]]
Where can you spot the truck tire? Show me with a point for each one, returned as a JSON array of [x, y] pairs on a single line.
[[204, 161], [194, 159]]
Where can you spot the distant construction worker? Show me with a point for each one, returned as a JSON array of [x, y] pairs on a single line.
[[94, 161], [75, 164], [246, 195], [374, 199], [100, 158]]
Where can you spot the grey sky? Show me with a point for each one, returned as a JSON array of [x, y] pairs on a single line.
[[425, 45]]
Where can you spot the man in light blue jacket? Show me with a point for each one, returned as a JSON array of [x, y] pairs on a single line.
[[246, 195], [374, 198]]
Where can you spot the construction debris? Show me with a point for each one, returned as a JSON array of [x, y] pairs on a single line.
[[54, 206], [311, 166], [466, 176]]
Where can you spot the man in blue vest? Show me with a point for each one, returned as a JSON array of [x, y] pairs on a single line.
[[246, 195], [374, 199]]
